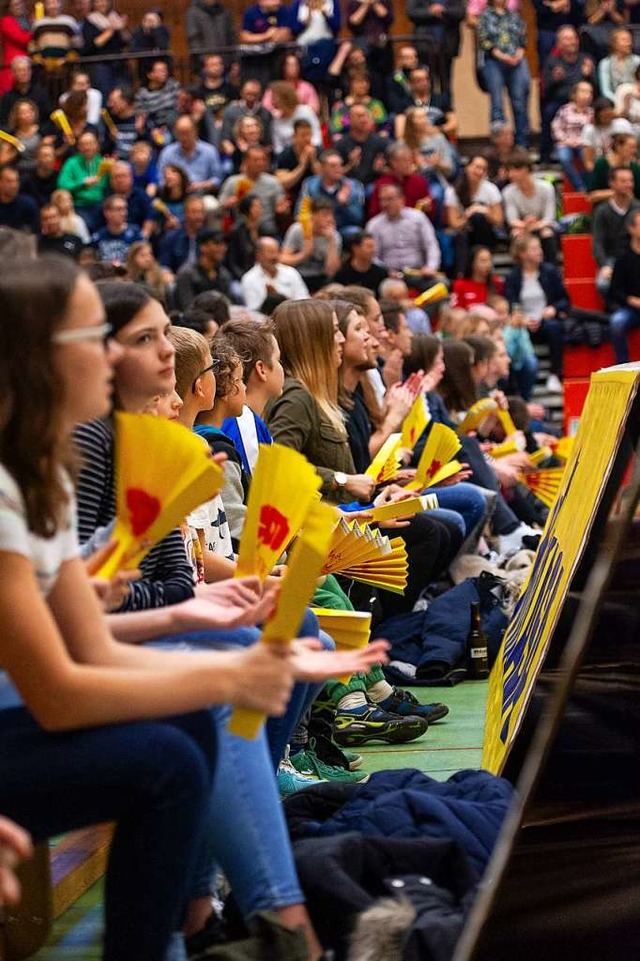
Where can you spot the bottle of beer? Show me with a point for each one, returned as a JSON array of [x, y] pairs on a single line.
[[477, 655]]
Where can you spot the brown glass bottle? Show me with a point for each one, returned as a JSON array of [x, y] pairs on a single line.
[[477, 654]]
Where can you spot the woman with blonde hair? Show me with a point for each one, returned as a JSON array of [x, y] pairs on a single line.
[[70, 221], [144, 269]]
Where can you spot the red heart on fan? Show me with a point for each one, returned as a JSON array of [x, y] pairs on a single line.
[[143, 510]]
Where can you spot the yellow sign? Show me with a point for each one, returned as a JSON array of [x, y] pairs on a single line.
[[565, 538]]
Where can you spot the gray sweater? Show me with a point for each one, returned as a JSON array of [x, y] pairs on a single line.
[[610, 238]]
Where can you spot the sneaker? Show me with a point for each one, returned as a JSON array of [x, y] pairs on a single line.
[[405, 703], [554, 384], [363, 726], [330, 753], [308, 762], [290, 780]]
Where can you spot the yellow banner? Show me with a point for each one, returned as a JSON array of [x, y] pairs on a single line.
[[565, 539]]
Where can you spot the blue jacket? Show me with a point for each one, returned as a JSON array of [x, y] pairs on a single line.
[[350, 214], [297, 25], [550, 281]]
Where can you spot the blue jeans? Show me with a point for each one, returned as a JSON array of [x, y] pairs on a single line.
[[152, 777], [516, 81], [572, 163], [525, 376], [620, 322], [466, 500]]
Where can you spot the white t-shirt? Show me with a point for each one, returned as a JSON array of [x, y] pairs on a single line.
[[600, 137], [211, 518], [47, 555]]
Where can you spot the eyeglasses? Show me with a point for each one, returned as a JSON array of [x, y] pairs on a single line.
[[202, 372], [76, 335]]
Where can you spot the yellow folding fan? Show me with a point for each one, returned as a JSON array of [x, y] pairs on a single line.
[[513, 445], [414, 423], [564, 447], [368, 556], [163, 471], [404, 508], [545, 484], [283, 487], [386, 463], [438, 292], [441, 446], [476, 414], [540, 455], [349, 629]]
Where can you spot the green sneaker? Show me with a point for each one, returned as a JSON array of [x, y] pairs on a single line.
[[308, 762], [290, 780]]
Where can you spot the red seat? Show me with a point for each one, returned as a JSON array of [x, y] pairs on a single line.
[[575, 394], [578, 256], [575, 203], [583, 294]]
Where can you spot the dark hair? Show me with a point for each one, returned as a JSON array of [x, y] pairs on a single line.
[[74, 103], [391, 312], [519, 412], [35, 297], [252, 341], [207, 235], [462, 186], [244, 204], [300, 123], [424, 351], [321, 203], [127, 94], [122, 301], [520, 159], [599, 105], [618, 139], [468, 267], [193, 318], [483, 347], [457, 387], [225, 360], [616, 170], [213, 303], [184, 183]]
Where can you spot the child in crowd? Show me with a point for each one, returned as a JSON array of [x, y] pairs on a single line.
[[568, 127]]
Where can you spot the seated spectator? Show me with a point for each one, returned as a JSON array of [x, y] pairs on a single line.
[[113, 241], [199, 160], [622, 153], [596, 137], [399, 95], [362, 149], [105, 33], [40, 182], [360, 267], [286, 110], [610, 236], [242, 239], [314, 248], [139, 209], [603, 17], [16, 210], [215, 91], [125, 128], [264, 24], [433, 155], [404, 238], [346, 194], [395, 290], [172, 194], [315, 25], [75, 109], [567, 128], [359, 91], [145, 172], [209, 25], [83, 175], [619, 68], [150, 36], [206, 314], [248, 105], [414, 187], [523, 363], [478, 212], [502, 36], [180, 246], [421, 95], [207, 273], [70, 221], [478, 283], [537, 288], [144, 269], [291, 72], [549, 18], [530, 204], [246, 133], [628, 102], [23, 87], [624, 292], [298, 160], [498, 153], [564, 68], [24, 124], [81, 81], [157, 103], [370, 25], [269, 277], [253, 178], [53, 239]]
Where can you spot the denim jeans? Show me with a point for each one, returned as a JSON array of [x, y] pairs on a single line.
[[551, 332], [620, 322], [466, 500], [152, 777], [525, 376], [572, 163], [516, 81]]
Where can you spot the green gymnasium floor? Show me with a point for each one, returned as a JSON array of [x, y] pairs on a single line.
[[447, 747]]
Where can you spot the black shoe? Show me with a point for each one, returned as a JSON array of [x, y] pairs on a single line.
[[405, 703], [354, 727], [330, 753], [200, 943]]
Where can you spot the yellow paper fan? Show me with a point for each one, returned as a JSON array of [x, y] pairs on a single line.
[[298, 586], [540, 455], [476, 414], [404, 508], [545, 484], [507, 422], [438, 292], [304, 216], [564, 448], [389, 573], [349, 629], [445, 472], [283, 487], [414, 423], [10, 139], [163, 471], [442, 444], [105, 166], [61, 120], [386, 463], [515, 445], [109, 124]]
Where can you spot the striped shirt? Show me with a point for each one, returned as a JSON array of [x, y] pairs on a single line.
[[167, 575]]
